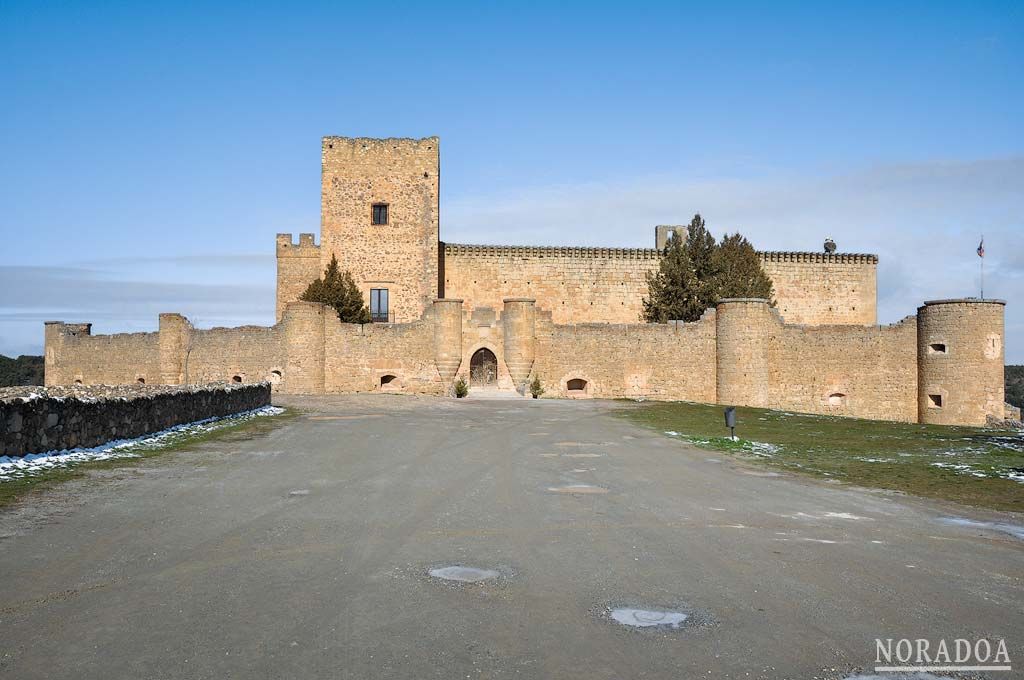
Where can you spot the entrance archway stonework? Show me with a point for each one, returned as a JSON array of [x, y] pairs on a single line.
[[483, 368]]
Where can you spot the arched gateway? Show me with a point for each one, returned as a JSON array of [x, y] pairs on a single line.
[[483, 368]]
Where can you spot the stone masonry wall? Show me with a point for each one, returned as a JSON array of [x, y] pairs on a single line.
[[607, 285], [249, 353], [817, 288], [576, 285], [401, 255], [73, 355], [86, 417], [656, 361], [741, 353], [859, 371], [356, 358]]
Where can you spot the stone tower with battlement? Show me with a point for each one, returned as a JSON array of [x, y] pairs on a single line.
[[380, 216]]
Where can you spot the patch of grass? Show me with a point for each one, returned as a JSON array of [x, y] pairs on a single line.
[[224, 431], [963, 464]]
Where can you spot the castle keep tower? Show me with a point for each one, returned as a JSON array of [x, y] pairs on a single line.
[[379, 216]]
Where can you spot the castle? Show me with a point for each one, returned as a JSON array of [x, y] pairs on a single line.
[[501, 315]]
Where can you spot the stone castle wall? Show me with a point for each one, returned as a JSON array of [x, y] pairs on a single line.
[[576, 285], [607, 285], [861, 371], [740, 353], [821, 288], [654, 361], [73, 355]]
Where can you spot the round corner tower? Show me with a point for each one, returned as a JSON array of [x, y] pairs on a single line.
[[960, 361], [744, 329]]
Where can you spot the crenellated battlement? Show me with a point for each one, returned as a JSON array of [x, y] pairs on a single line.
[[550, 251], [306, 247], [818, 258], [298, 264]]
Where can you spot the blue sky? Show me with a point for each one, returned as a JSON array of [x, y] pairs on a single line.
[[148, 154]]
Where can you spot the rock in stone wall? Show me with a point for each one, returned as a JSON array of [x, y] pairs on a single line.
[[38, 419]]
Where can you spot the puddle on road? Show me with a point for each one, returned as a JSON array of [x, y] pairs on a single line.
[[583, 455], [755, 473], [577, 488], [646, 618], [464, 574], [1015, 530], [299, 492]]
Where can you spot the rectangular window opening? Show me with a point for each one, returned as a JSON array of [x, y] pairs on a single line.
[[379, 305], [934, 401], [937, 348], [379, 213]]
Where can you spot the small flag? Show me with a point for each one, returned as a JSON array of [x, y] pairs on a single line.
[[981, 248]]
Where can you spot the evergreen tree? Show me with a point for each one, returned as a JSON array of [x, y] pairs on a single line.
[[738, 271], [338, 290], [694, 275], [671, 289]]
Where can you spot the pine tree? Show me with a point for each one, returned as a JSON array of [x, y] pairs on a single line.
[[338, 290], [694, 275]]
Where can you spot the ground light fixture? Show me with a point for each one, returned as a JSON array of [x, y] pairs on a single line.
[[730, 421]]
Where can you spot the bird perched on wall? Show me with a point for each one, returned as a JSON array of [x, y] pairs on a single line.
[[830, 246]]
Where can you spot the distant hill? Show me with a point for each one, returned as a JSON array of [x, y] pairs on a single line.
[[25, 370], [1015, 385]]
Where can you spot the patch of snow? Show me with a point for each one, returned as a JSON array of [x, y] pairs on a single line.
[[763, 449], [960, 469], [35, 463], [1015, 530], [844, 515]]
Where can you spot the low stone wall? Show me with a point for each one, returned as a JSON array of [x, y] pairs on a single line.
[[38, 419]]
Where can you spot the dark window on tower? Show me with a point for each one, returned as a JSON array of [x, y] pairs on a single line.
[[380, 213], [379, 305]]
